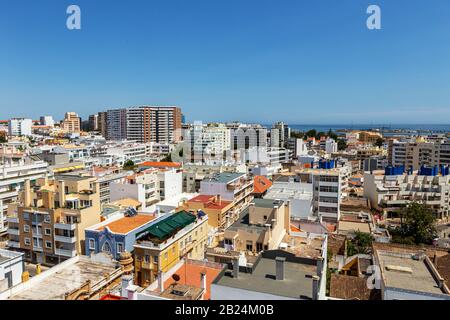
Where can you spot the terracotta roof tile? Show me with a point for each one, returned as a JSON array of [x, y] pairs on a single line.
[[189, 274], [261, 184]]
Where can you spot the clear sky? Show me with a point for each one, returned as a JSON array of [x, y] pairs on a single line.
[[301, 61]]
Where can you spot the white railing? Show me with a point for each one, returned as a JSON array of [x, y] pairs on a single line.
[[66, 253], [65, 239]]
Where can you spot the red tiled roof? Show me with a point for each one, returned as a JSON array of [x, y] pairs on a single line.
[[210, 202], [127, 224], [261, 184], [111, 297], [160, 164], [189, 274]]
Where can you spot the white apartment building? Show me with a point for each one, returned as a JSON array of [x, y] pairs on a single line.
[[142, 187], [331, 146], [327, 187], [390, 193], [170, 183], [206, 143], [20, 127], [298, 195], [236, 187], [148, 187], [47, 121], [12, 178], [136, 152], [245, 136]]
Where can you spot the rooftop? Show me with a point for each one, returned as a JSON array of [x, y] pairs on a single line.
[[211, 202], [297, 283], [160, 164], [190, 271], [127, 224], [306, 247], [261, 184], [67, 278], [224, 177], [401, 270]]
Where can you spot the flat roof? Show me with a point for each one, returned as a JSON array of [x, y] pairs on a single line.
[[353, 226], [416, 276], [267, 203], [224, 177], [71, 277], [295, 285], [127, 224]]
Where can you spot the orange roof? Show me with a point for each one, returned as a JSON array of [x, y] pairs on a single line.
[[191, 272], [295, 229], [261, 184], [210, 202], [111, 297], [160, 164], [127, 224]]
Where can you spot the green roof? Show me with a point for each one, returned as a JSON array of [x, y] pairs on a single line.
[[169, 226]]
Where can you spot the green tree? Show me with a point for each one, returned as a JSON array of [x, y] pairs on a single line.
[[3, 139], [342, 145], [129, 165], [417, 224], [379, 143], [360, 244], [311, 133]]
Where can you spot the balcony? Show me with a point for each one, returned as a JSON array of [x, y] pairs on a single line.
[[13, 244], [12, 231], [65, 239], [12, 219], [66, 253], [65, 226]]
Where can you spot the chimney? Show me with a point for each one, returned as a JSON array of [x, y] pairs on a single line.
[[62, 194], [27, 194], [315, 288], [219, 199], [319, 266], [236, 268], [279, 263], [127, 280], [160, 281]]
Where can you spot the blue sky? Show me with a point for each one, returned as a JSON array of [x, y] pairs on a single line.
[[301, 61]]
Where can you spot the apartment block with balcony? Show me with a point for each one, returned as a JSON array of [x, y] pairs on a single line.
[[48, 222], [235, 187], [261, 226], [389, 193], [13, 173], [142, 186], [414, 154], [162, 245]]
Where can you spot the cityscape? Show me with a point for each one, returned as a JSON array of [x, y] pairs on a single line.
[[209, 195]]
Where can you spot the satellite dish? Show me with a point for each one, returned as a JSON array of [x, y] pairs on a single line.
[[176, 277]]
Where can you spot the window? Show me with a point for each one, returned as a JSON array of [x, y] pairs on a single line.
[[249, 245], [155, 259], [265, 217], [26, 216], [26, 228], [48, 232], [47, 218], [106, 247], [119, 247], [165, 255], [91, 244], [27, 241], [147, 258], [48, 244]]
